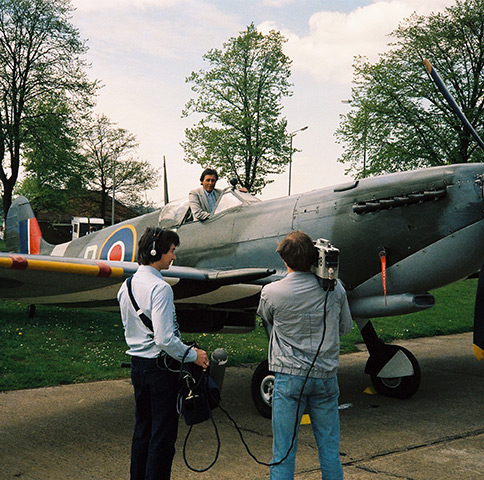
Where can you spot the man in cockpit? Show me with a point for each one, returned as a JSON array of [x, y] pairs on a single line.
[[202, 200]]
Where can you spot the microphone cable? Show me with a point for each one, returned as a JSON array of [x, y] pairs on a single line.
[[214, 461], [296, 423]]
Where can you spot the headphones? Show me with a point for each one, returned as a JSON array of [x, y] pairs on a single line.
[[156, 236]]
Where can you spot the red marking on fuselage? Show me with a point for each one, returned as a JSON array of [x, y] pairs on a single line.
[[19, 263], [104, 269]]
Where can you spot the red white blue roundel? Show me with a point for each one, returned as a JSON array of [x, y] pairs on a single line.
[[120, 245]]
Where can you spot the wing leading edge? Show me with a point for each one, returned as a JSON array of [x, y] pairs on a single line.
[[87, 283]]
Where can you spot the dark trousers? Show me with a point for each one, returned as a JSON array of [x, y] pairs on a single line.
[[156, 429]]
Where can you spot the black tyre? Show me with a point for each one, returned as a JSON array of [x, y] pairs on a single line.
[[262, 386], [399, 387]]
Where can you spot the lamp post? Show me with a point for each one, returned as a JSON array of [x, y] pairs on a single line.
[[114, 192], [292, 135]]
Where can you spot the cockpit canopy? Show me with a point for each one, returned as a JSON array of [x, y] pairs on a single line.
[[178, 212]]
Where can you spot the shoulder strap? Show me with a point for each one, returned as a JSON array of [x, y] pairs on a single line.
[[144, 318]]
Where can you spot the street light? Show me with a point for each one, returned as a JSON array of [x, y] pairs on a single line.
[[114, 192], [292, 135]]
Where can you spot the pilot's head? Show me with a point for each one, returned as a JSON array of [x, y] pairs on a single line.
[[208, 179], [298, 251], [155, 244]]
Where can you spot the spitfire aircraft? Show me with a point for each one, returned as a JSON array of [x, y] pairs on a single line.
[[399, 235], [427, 224]]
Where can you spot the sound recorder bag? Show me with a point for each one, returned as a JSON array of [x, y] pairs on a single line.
[[197, 391]]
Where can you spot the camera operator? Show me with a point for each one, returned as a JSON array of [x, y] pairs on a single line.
[[155, 387], [295, 307]]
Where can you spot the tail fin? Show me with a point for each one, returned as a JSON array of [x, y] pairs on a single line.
[[165, 182], [23, 233]]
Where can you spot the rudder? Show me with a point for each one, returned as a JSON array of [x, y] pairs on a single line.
[[23, 233]]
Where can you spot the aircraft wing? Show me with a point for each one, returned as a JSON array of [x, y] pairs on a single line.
[[90, 283]]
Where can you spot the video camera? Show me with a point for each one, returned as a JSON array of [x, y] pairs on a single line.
[[326, 267]]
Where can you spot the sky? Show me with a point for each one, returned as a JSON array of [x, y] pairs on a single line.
[[143, 50]]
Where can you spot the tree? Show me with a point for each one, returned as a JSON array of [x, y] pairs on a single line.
[[108, 150], [53, 163], [399, 120], [241, 133], [40, 64]]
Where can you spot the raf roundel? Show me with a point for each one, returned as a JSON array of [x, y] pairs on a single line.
[[120, 245], [116, 252]]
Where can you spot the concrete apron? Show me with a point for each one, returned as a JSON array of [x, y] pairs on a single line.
[[84, 431]]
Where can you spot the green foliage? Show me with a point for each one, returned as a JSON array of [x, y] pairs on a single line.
[[241, 133], [53, 163], [41, 70], [399, 120]]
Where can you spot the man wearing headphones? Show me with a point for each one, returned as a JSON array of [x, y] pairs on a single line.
[[155, 386], [301, 314]]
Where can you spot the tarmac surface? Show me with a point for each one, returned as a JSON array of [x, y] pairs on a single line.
[[84, 431]]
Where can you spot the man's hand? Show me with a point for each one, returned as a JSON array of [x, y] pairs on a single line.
[[202, 358]]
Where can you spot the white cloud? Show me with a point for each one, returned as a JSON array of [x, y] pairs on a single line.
[[168, 30], [96, 5], [335, 38], [276, 3]]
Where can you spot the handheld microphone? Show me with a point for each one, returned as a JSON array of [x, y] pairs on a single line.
[[218, 361]]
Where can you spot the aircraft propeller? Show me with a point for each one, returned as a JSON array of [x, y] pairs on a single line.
[[452, 103], [478, 340]]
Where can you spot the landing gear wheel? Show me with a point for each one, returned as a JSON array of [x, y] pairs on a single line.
[[398, 387], [261, 387]]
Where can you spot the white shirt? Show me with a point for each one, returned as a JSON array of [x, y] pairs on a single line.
[[154, 297]]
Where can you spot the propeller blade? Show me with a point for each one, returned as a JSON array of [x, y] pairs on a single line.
[[478, 340], [450, 100]]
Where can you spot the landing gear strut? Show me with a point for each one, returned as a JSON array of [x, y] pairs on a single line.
[[394, 371], [31, 311]]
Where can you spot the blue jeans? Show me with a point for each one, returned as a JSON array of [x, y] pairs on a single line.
[[153, 446], [320, 400]]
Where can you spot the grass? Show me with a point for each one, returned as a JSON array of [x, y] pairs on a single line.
[[60, 346]]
